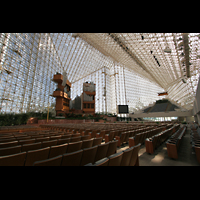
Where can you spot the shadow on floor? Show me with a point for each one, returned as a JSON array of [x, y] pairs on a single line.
[[160, 156]]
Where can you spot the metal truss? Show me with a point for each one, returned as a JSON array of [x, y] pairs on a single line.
[[127, 68]]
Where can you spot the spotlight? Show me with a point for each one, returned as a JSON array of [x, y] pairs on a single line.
[[184, 81], [167, 50], [74, 35]]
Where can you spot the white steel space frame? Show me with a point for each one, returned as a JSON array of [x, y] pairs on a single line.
[[122, 65]]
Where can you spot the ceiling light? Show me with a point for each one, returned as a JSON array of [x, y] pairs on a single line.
[[180, 48], [74, 35], [183, 60], [7, 71], [184, 81], [167, 50], [180, 44]]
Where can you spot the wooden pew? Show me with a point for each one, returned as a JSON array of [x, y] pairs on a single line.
[[174, 142], [140, 137], [195, 140], [155, 141]]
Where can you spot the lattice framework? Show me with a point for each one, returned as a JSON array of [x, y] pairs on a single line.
[[122, 64]]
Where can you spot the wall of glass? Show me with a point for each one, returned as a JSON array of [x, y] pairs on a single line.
[[28, 62]]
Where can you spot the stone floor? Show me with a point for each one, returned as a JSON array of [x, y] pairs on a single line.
[[186, 155]]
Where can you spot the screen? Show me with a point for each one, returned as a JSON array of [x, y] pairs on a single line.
[[122, 109]]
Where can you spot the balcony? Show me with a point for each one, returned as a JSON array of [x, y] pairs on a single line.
[[58, 78], [68, 83], [90, 102], [90, 93], [60, 94], [57, 94], [65, 95]]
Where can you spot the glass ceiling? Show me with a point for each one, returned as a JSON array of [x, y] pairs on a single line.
[[128, 68]]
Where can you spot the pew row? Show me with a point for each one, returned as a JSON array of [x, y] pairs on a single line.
[[174, 142], [155, 141]]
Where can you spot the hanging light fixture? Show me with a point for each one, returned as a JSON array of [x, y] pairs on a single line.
[[167, 50], [75, 35]]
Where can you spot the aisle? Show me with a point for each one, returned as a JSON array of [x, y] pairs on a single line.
[[160, 157]]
